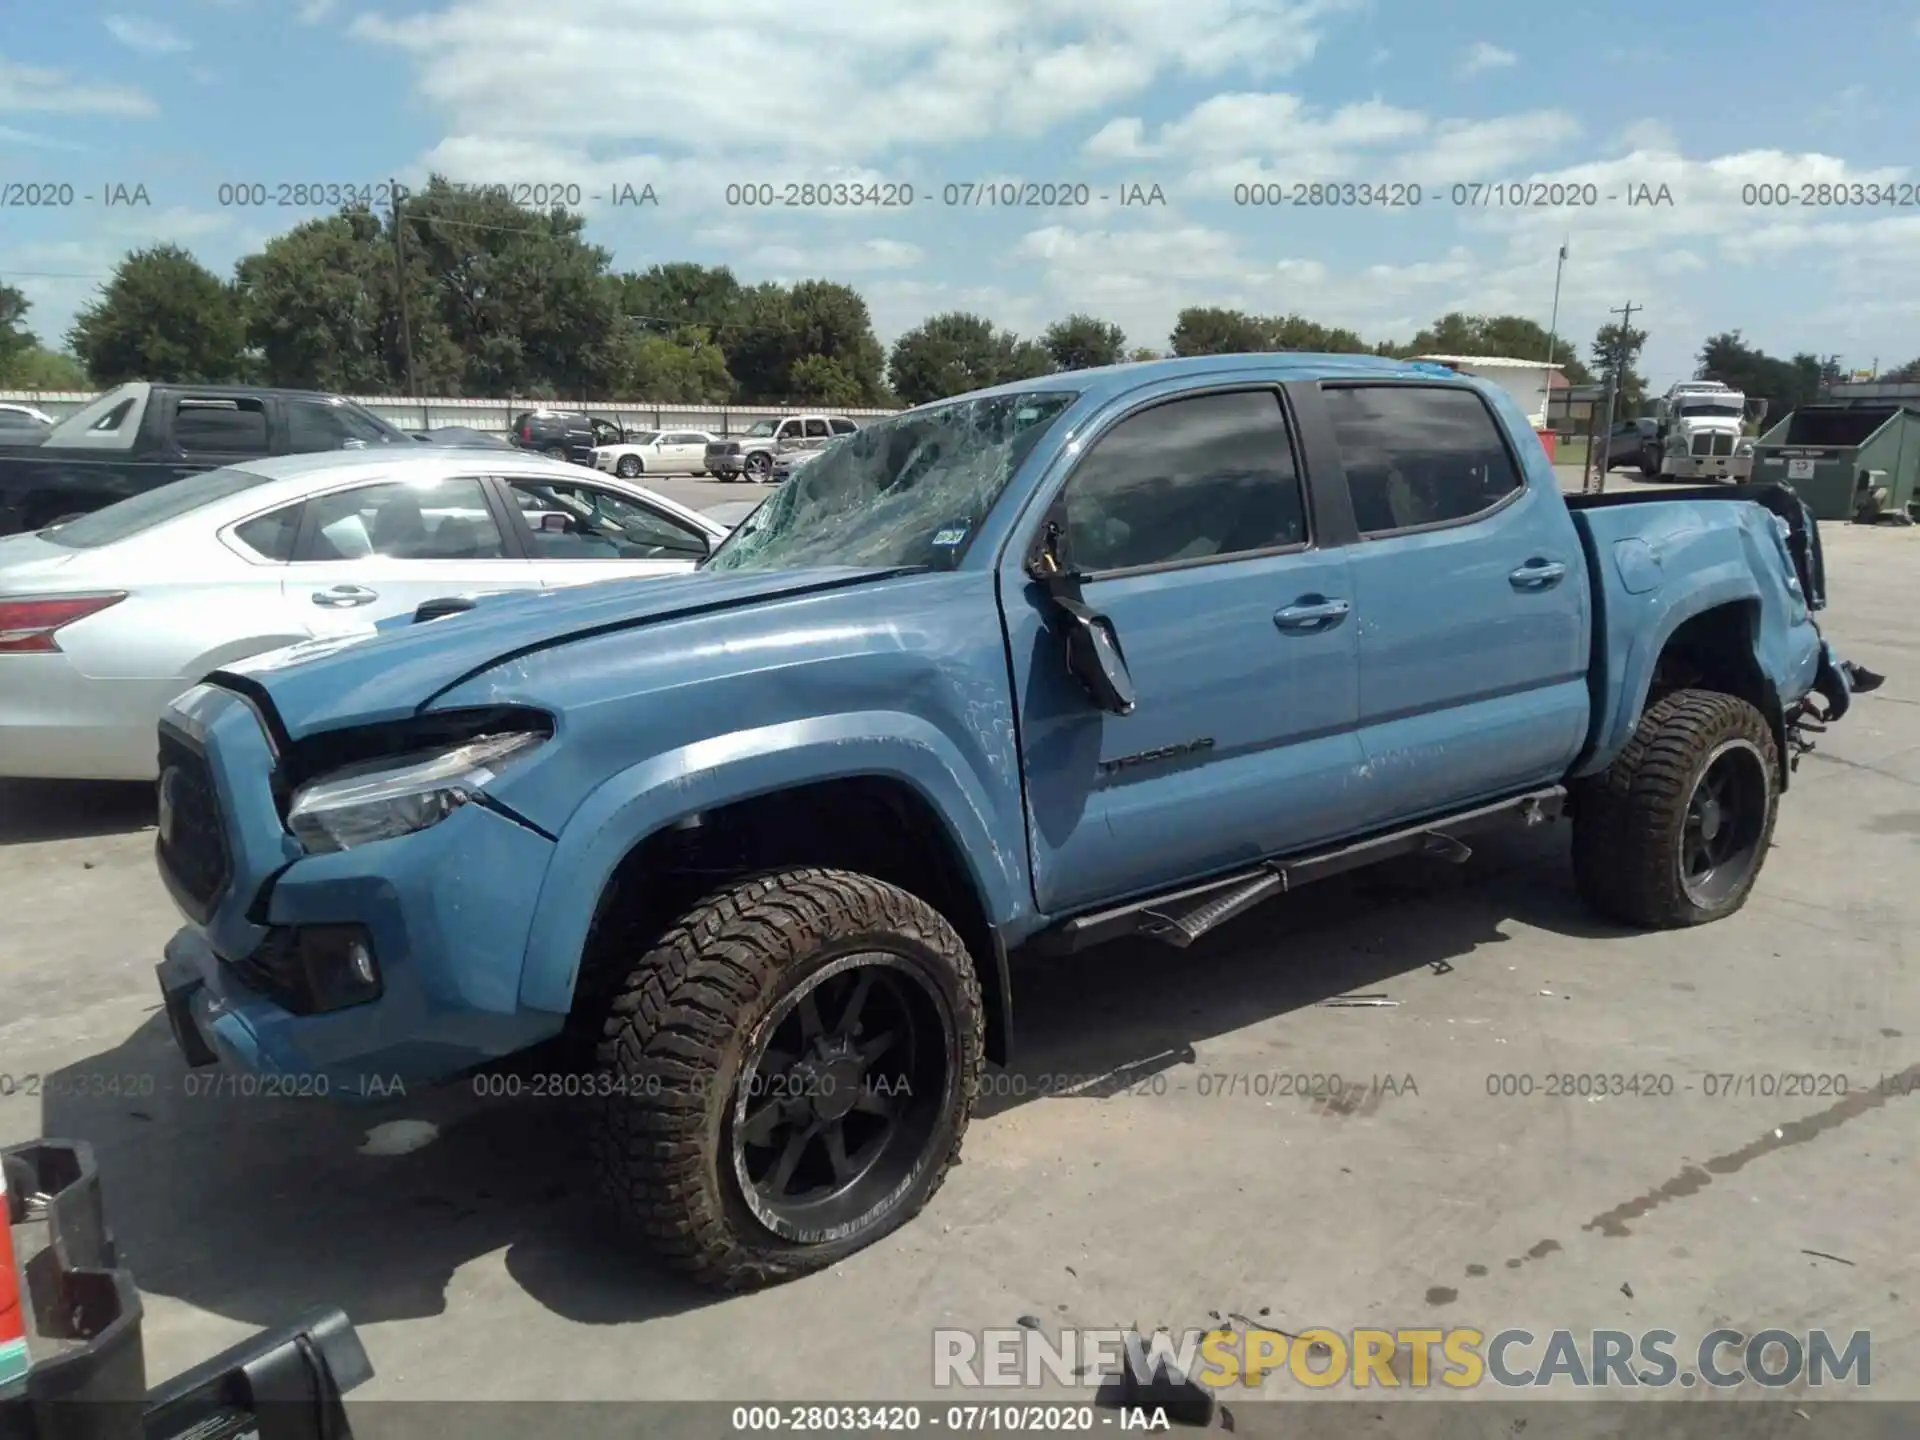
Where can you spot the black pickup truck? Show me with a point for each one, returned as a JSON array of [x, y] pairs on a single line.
[[140, 436]]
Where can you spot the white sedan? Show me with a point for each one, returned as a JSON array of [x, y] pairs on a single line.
[[106, 618], [655, 452]]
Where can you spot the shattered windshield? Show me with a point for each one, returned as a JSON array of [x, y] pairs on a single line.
[[760, 429], [910, 490]]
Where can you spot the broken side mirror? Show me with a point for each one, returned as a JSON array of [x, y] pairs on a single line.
[[1094, 657]]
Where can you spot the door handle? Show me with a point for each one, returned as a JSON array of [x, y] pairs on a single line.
[[1538, 575], [1311, 613], [343, 597]]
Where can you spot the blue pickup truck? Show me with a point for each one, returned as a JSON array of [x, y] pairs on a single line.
[[1116, 652]]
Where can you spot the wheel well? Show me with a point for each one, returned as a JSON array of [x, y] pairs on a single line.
[[1715, 650], [870, 824]]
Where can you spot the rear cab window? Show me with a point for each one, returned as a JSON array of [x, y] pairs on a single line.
[[221, 425], [1419, 456]]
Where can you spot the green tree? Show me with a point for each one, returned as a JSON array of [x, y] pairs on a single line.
[[781, 327], [1907, 374], [1510, 336], [1785, 385], [16, 340], [38, 368], [321, 308], [522, 297], [682, 293], [1298, 334], [956, 352], [1616, 350], [820, 381], [685, 368], [1081, 342], [1209, 330], [1143, 353], [163, 316]]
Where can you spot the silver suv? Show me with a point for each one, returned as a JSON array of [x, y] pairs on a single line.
[[752, 454]]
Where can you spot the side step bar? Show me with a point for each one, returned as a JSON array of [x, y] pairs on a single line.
[[1180, 917]]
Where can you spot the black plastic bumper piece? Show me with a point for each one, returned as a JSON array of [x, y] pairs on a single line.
[[84, 1311]]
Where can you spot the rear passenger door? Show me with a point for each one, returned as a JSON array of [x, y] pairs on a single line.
[[368, 552], [1472, 594], [682, 451], [1188, 518]]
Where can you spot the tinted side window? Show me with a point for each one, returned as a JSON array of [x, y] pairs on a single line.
[[816, 429], [314, 425], [236, 427], [271, 536], [1417, 455], [1188, 480], [842, 427], [584, 522]]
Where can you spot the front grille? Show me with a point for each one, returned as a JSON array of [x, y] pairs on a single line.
[[1717, 443], [192, 841]]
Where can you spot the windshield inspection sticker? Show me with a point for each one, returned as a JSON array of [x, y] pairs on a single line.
[[950, 537]]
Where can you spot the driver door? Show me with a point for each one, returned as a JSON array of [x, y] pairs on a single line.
[[1189, 522], [577, 533]]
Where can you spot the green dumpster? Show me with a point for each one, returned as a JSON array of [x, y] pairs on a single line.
[[1825, 452]]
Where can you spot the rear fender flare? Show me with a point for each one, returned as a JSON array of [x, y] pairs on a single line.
[[647, 797], [1729, 583]]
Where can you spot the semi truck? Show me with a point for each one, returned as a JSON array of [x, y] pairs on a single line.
[[1701, 433]]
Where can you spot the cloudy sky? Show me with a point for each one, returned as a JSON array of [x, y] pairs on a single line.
[[1468, 106]]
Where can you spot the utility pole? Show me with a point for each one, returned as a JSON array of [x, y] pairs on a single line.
[[1615, 364], [400, 277], [1553, 334]]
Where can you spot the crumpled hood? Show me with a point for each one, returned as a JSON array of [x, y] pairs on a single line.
[[388, 674]]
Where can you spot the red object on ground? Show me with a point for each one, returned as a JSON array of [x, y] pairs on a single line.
[[1547, 441], [13, 1326]]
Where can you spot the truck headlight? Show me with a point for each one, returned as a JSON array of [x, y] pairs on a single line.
[[1744, 447], [399, 794], [1676, 444]]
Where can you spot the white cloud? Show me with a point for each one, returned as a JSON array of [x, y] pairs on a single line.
[[312, 12], [148, 36], [1482, 56], [881, 75], [1465, 151], [34, 140], [799, 262], [28, 87], [1234, 139]]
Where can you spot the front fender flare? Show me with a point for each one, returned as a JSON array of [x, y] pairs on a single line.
[[646, 797]]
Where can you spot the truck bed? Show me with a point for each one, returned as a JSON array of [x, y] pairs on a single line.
[[1727, 541]]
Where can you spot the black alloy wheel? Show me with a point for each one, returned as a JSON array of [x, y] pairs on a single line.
[[840, 1101]]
